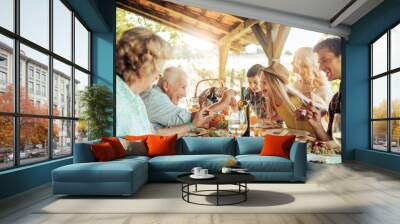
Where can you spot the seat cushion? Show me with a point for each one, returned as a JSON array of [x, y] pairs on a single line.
[[257, 163], [185, 163], [112, 171]]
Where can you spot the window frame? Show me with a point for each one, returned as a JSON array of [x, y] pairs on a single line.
[[388, 74], [16, 115]]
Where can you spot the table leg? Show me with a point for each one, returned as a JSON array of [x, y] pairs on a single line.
[[217, 194], [245, 193], [196, 188]]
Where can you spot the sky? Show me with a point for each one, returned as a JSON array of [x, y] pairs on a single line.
[[35, 27], [379, 61]]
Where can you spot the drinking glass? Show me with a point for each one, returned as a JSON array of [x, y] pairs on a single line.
[[193, 105], [237, 123]]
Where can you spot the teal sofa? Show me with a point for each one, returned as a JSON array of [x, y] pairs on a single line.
[[125, 176]]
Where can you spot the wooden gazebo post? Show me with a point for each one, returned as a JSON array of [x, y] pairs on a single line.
[[272, 46], [225, 43], [223, 52]]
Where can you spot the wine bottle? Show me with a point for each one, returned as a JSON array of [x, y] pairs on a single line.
[[244, 105]]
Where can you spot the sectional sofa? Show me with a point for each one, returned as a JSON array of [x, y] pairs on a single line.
[[125, 176]]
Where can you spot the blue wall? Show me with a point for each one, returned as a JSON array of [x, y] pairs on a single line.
[[103, 52], [100, 17], [356, 81]]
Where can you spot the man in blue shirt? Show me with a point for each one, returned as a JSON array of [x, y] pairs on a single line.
[[162, 100]]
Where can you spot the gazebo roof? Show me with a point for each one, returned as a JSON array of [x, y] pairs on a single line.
[[213, 26], [228, 32]]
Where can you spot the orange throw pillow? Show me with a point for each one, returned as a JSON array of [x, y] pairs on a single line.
[[277, 145], [161, 145], [136, 137], [103, 151], [116, 145]]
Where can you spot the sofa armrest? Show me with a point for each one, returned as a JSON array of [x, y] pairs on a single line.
[[298, 155], [83, 152]]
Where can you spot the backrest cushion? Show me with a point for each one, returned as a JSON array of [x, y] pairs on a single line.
[[206, 145], [249, 145], [116, 145], [277, 145], [136, 137], [161, 145], [134, 147], [104, 152]]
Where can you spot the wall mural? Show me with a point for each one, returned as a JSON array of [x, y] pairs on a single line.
[[195, 72]]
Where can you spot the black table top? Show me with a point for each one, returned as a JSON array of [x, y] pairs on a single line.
[[220, 178]]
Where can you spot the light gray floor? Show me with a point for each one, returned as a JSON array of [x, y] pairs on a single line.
[[378, 188]]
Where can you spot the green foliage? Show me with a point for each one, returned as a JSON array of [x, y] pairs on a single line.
[[97, 104]]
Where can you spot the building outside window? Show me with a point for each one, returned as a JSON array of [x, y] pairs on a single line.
[[385, 94], [59, 127]]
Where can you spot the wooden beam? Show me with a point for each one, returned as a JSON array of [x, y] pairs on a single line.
[[238, 32], [223, 59], [165, 20], [190, 15], [280, 40], [265, 43]]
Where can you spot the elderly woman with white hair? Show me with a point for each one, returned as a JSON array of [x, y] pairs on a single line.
[[140, 57]]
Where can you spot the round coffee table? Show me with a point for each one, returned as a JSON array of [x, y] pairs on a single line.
[[238, 179]]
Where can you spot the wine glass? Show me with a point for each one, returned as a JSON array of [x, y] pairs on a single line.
[[337, 129], [237, 123], [193, 105]]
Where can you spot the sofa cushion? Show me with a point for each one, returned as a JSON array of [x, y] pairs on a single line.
[[249, 145], [111, 171], [116, 145], [161, 145], [206, 145], [103, 152], [185, 163], [257, 163], [275, 145]]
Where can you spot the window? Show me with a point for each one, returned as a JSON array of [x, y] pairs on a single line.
[[46, 74], [3, 72], [38, 89], [3, 78], [34, 21], [30, 72], [38, 74], [62, 29], [30, 88], [3, 61], [385, 95], [7, 73], [81, 45], [44, 91], [62, 74], [7, 14]]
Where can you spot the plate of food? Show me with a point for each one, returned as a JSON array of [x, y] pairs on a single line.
[[217, 132], [301, 135]]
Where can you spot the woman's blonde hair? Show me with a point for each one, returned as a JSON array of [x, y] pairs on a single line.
[[306, 63], [276, 76], [140, 52], [279, 90]]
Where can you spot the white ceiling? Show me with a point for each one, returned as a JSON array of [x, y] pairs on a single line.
[[321, 9], [307, 14]]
